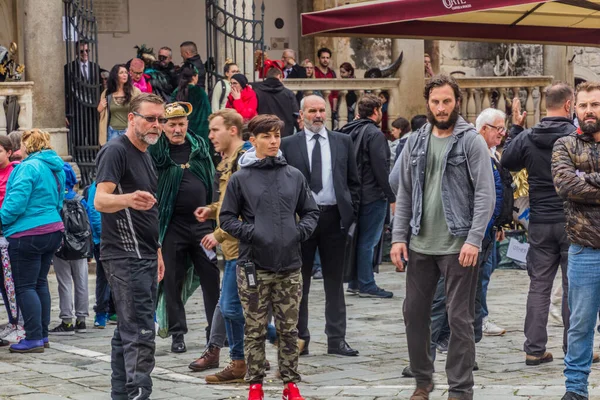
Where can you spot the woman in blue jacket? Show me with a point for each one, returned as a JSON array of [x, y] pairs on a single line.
[[32, 224]]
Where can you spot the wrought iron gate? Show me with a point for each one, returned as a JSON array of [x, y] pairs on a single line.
[[233, 31], [82, 84]]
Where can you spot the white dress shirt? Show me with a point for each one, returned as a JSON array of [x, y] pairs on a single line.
[[85, 70], [326, 197]]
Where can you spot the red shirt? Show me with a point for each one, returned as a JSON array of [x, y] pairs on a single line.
[[329, 75]]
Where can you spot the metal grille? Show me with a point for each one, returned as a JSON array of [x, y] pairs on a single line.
[[82, 85], [233, 31]]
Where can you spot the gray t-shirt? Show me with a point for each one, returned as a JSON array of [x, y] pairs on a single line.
[[434, 237]]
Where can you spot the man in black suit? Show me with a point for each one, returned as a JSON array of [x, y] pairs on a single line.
[[326, 159], [82, 84], [291, 69]]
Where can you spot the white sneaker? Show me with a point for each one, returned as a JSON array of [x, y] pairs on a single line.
[[556, 315], [491, 329], [16, 335], [8, 329]]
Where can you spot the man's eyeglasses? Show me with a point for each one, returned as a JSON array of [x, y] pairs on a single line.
[[83, 51], [500, 129], [162, 58], [151, 118], [137, 72]]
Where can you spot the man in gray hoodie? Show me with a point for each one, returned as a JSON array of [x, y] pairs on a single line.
[[446, 196]]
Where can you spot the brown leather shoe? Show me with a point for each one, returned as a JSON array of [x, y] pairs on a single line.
[[422, 393], [596, 358], [232, 373], [209, 359], [537, 360]]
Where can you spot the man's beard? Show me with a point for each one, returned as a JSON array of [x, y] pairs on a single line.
[[146, 139], [311, 127], [589, 128], [443, 124]]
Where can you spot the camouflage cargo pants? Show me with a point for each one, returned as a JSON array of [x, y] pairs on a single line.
[[283, 291]]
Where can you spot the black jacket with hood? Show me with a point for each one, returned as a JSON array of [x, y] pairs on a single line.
[[532, 149], [372, 161], [268, 194], [274, 98]]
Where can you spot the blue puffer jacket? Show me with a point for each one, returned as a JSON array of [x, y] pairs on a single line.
[[34, 193], [499, 197], [94, 215]]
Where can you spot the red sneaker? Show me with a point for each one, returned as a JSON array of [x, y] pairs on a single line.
[[291, 392], [256, 392]]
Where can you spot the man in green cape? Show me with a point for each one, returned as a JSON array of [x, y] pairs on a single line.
[[185, 175]]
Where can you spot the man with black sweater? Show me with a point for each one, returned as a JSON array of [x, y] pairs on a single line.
[[372, 158]]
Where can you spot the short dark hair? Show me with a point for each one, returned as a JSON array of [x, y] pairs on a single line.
[[6, 143], [385, 94], [80, 43], [402, 124], [587, 87], [137, 101], [323, 50], [265, 123], [439, 81], [273, 73], [189, 45], [367, 105], [417, 122], [557, 94], [166, 48]]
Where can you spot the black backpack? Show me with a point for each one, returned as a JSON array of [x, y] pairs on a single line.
[[223, 90], [508, 199], [77, 237]]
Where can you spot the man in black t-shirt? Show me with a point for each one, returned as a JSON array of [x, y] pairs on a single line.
[[185, 174], [125, 195]]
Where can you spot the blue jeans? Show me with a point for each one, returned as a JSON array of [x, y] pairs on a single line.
[[317, 263], [30, 258], [370, 226], [231, 308], [113, 133], [486, 273], [584, 301]]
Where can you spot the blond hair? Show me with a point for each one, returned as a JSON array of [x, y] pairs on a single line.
[[36, 140], [230, 118]]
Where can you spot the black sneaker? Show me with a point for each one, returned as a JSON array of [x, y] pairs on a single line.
[[377, 293], [80, 327], [352, 290], [573, 396], [442, 345], [63, 329]]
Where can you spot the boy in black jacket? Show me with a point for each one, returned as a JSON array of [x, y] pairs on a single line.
[[268, 194]]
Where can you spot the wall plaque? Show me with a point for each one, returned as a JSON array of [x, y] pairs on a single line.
[[112, 15]]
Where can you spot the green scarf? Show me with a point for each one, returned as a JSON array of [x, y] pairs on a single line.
[[170, 174]]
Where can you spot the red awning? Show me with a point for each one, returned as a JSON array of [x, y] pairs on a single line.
[[563, 22]]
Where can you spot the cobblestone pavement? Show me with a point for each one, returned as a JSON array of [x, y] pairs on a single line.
[[78, 367]]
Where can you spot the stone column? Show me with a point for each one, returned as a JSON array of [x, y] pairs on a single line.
[[556, 63], [44, 60], [410, 101]]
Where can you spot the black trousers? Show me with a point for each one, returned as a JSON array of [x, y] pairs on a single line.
[[181, 245], [330, 240], [133, 285]]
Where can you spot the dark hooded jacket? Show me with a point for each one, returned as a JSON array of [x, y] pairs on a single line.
[[274, 98], [268, 194], [372, 161], [532, 149]]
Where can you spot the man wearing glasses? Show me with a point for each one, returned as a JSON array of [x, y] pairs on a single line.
[[532, 149], [81, 77], [139, 78], [129, 250]]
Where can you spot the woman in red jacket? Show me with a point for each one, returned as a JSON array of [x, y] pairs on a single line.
[[242, 97]]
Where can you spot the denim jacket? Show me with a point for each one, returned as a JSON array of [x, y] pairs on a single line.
[[468, 194]]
